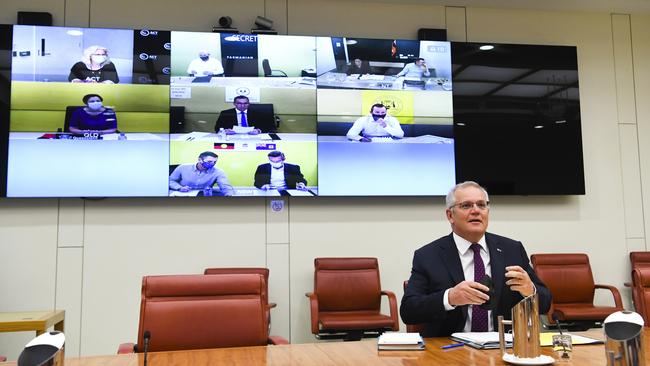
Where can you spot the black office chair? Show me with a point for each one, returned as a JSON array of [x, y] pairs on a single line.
[[268, 72], [68, 114]]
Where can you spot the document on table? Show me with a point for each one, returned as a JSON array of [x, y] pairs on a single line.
[[395, 341], [546, 339], [481, 340]]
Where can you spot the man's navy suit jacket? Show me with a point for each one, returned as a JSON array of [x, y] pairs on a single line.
[[437, 267]]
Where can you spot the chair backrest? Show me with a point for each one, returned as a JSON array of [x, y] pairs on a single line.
[[641, 279], [266, 67], [567, 276], [347, 284], [413, 328], [639, 259], [243, 270], [196, 311], [68, 115]]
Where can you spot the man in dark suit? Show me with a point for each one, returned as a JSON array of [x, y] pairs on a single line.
[[276, 174], [443, 291], [246, 115]]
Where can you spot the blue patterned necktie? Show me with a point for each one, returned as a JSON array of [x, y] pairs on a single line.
[[243, 120], [479, 315]]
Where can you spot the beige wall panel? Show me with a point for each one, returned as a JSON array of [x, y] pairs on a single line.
[[76, 13], [197, 15], [128, 239], [455, 23], [277, 220], [631, 177], [276, 10], [71, 223], [388, 228], [277, 261], [362, 19], [27, 263], [623, 68], [641, 52], [68, 295], [9, 8]]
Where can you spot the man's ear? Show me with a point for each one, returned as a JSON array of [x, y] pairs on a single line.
[[449, 216]]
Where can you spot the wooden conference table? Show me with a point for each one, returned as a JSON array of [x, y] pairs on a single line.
[[335, 354]]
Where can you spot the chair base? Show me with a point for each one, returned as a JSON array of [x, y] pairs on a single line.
[[350, 334]]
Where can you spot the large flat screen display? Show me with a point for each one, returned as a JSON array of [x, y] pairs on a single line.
[[517, 118], [89, 112]]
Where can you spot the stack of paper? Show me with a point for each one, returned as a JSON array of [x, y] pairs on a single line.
[[546, 339], [394, 341], [481, 340]]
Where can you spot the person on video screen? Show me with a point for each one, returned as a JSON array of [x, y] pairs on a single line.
[[375, 124], [94, 67], [200, 175], [276, 174], [416, 69], [245, 115], [205, 65], [94, 117], [358, 67]]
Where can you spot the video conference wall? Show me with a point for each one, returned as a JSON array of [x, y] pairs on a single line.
[[139, 113]]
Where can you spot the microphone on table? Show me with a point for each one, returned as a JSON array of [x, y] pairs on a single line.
[[146, 336], [556, 319]]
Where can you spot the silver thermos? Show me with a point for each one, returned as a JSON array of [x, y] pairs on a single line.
[[624, 339]]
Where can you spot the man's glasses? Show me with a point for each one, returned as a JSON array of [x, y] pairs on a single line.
[[467, 205]]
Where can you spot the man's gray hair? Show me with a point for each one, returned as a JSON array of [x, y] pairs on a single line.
[[450, 200]]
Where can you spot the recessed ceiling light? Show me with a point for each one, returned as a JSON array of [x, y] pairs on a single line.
[[538, 126], [486, 47], [75, 32]]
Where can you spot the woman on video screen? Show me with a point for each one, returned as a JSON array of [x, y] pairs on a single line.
[[94, 117], [94, 67]]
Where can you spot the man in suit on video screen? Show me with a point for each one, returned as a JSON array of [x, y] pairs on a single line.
[[246, 115]]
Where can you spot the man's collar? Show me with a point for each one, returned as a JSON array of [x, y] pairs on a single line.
[[463, 244]]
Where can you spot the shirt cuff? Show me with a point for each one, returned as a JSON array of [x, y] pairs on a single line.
[[445, 301]]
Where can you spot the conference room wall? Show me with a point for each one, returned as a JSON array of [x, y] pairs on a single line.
[[147, 236]]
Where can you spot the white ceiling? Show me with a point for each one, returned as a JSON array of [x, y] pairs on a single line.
[[607, 6]]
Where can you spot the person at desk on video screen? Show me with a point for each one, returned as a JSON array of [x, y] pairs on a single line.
[[205, 65], [444, 292], [416, 69], [276, 174], [94, 117], [200, 175], [358, 67], [376, 124], [94, 67], [245, 115]]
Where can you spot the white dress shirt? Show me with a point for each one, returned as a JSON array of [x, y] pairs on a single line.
[[277, 178], [467, 262], [199, 67], [367, 126]]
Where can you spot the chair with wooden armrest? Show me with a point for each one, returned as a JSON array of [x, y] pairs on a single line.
[[183, 312], [346, 300], [570, 280]]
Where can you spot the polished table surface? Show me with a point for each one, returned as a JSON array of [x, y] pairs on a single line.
[[337, 353]]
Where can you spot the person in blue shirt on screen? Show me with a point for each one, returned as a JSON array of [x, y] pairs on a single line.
[[416, 69], [94, 117], [377, 124], [200, 175]]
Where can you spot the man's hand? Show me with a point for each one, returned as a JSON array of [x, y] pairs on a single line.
[[468, 293], [230, 131], [265, 187], [381, 122], [365, 139], [254, 131], [301, 186], [519, 281], [185, 189]]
